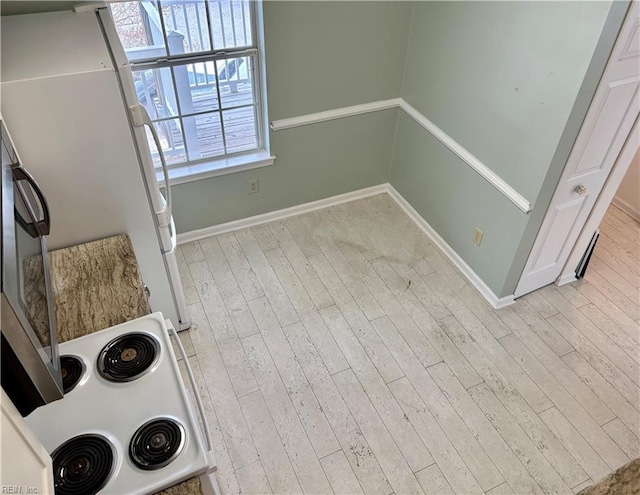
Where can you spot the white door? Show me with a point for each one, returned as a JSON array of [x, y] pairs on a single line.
[[613, 111], [26, 465]]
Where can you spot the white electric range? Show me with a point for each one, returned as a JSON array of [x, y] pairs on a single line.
[[126, 424]]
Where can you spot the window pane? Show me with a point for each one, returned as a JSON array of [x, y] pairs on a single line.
[[230, 23], [196, 87], [185, 23], [209, 136], [154, 88], [139, 29], [236, 82], [171, 141], [201, 110], [240, 129]]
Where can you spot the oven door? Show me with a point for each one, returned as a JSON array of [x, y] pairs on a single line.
[[30, 362]]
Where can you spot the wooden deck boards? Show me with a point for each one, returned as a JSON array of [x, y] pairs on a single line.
[[239, 124]]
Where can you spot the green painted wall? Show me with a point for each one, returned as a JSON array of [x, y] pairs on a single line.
[[313, 162], [319, 56], [455, 200], [324, 55], [501, 78]]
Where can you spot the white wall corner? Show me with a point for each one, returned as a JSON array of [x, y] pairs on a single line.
[[473, 278]]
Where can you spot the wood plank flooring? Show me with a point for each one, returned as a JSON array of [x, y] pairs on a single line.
[[340, 352]]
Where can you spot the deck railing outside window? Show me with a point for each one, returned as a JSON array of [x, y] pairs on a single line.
[[195, 70]]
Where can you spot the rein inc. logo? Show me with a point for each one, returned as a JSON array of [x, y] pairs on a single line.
[[19, 489]]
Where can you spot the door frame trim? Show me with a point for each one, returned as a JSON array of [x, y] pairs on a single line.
[[606, 193], [605, 198]]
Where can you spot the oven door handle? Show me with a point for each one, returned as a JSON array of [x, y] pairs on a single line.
[[43, 226], [194, 386], [29, 227]]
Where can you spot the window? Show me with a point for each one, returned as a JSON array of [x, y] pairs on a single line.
[[195, 69]]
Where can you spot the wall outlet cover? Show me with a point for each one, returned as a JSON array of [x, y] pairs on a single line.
[[254, 186], [477, 236]]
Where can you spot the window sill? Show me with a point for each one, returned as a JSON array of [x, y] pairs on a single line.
[[215, 168]]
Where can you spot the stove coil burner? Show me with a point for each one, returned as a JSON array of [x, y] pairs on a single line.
[[128, 357], [156, 443], [72, 369], [82, 465]]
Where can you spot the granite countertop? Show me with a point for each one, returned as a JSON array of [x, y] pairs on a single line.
[[95, 286], [624, 481], [189, 487]]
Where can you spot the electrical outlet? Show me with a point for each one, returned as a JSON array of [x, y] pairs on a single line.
[[477, 236], [254, 186]]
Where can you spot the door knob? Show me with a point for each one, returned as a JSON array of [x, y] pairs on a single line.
[[581, 190]]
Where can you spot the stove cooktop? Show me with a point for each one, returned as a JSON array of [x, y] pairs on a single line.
[[156, 443], [82, 465], [72, 369], [128, 357], [129, 400]]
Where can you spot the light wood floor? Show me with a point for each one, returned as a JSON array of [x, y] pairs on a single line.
[[340, 352]]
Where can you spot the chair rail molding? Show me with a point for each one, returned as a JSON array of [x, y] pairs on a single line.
[[337, 113], [465, 155]]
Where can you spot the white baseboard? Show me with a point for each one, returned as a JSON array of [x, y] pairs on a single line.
[[243, 223], [495, 301], [565, 279], [627, 208], [475, 280]]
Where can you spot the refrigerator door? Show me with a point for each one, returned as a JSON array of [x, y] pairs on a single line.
[[138, 116], [140, 124]]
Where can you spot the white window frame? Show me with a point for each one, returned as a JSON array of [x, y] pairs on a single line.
[[227, 163]]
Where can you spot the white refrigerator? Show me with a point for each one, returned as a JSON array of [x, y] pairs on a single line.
[[68, 98]]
